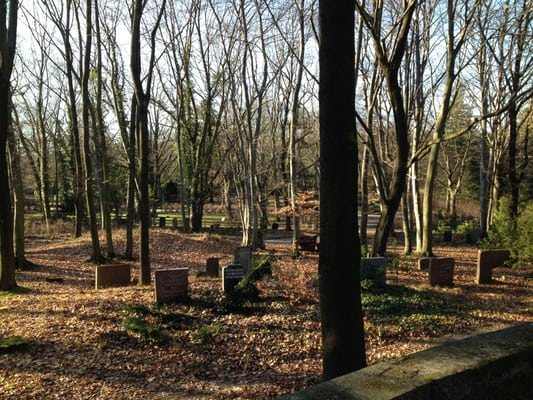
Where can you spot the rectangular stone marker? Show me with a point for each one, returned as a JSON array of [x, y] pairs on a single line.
[[231, 275], [171, 284], [423, 264], [243, 256], [486, 261], [375, 269], [108, 275], [441, 270], [212, 266]]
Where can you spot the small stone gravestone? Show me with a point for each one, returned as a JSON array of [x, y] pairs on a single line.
[[212, 266], [423, 264], [243, 256], [375, 269], [441, 270], [231, 276], [108, 275], [488, 259], [171, 284], [162, 222]]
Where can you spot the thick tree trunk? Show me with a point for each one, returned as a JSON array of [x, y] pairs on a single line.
[[7, 255], [343, 343], [144, 201], [7, 54]]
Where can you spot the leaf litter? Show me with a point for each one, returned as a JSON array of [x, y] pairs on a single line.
[[80, 349]]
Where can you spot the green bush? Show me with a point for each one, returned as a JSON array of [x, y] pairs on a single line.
[[141, 320], [515, 235], [502, 233], [524, 236], [246, 291], [206, 334]]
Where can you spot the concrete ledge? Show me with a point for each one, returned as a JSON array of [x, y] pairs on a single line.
[[495, 365]]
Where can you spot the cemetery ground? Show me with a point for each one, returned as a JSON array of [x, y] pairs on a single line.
[[77, 342]]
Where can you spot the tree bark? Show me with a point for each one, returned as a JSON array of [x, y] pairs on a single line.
[[87, 162], [18, 198], [343, 344], [8, 35]]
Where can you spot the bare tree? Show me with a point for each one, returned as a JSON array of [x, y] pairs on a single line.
[[198, 95], [389, 52], [142, 101], [458, 14], [116, 96], [504, 66]]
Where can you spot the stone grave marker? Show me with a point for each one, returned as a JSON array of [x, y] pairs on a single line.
[[171, 285], [423, 264], [441, 270], [375, 269], [212, 266], [109, 275], [231, 275], [243, 256], [487, 260], [162, 222]]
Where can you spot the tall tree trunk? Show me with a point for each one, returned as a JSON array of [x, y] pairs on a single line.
[[293, 131], [89, 175], [363, 228], [427, 202], [7, 255], [100, 138], [132, 173], [343, 343], [142, 99], [393, 196], [408, 246], [512, 173], [18, 198], [8, 35]]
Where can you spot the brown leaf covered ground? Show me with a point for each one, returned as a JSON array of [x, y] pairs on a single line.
[[79, 349]]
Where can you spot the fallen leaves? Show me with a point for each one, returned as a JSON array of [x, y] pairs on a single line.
[[80, 349]]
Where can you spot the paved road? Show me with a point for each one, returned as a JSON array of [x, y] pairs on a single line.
[[373, 220]]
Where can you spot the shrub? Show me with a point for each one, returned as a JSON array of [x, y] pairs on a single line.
[[515, 235], [143, 321], [524, 236], [502, 233]]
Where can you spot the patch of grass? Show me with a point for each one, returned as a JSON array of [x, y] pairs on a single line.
[[16, 290], [399, 309], [13, 344], [206, 334], [141, 320]]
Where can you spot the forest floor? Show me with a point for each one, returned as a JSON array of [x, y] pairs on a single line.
[[79, 348]]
